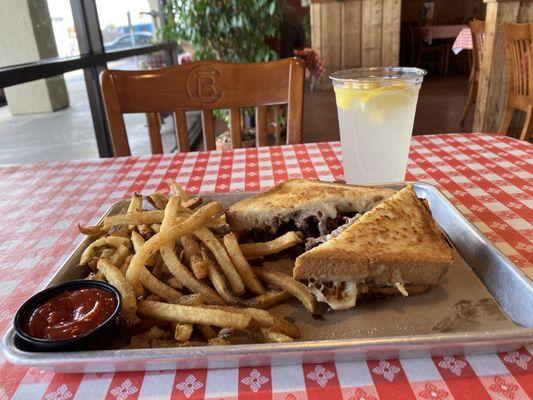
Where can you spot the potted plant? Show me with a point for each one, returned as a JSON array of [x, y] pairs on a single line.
[[225, 30]]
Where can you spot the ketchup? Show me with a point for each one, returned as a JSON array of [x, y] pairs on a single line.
[[69, 314]]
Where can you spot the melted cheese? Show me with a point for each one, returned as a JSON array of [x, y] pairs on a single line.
[[341, 296], [401, 289]]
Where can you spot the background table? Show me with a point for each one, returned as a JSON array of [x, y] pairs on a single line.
[[431, 32], [489, 178], [463, 41]]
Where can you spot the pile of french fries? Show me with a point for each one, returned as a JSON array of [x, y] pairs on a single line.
[[180, 265]]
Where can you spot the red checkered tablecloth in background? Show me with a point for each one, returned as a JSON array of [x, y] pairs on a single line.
[[463, 41], [432, 32], [489, 178]]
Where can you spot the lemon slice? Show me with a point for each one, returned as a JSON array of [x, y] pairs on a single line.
[[374, 100]]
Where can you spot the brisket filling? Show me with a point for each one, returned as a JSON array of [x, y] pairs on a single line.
[[314, 228]]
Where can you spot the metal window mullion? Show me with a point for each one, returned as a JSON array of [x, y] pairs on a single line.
[[90, 42]]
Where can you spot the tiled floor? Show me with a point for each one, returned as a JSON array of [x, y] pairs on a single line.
[[68, 134]]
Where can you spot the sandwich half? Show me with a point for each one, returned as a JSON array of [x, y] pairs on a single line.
[[311, 207], [396, 248]]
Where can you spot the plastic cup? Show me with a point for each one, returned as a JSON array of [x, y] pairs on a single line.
[[376, 109]]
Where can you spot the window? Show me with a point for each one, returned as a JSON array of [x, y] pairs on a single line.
[[128, 23]]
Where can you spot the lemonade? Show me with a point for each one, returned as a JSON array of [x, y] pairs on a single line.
[[376, 116]]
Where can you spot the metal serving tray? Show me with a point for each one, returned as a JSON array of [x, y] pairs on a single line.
[[459, 316]]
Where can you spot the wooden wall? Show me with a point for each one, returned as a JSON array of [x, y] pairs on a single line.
[[446, 11], [356, 33]]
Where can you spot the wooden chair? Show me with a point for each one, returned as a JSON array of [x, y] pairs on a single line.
[[519, 64], [204, 86], [478, 34]]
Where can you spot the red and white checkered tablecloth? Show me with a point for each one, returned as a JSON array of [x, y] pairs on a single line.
[[432, 32], [463, 41], [489, 178]]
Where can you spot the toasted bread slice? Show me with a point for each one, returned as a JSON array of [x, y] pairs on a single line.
[[397, 242], [290, 198]]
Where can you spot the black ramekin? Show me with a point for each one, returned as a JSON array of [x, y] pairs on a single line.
[[97, 338]]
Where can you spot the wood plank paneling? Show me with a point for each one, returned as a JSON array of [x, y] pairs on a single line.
[[331, 35], [356, 33], [372, 11], [351, 34], [316, 30], [525, 13], [390, 47]]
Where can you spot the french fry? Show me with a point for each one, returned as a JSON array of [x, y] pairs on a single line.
[[153, 333], [120, 255], [157, 287], [192, 202], [190, 300], [264, 319], [136, 203], [146, 339], [185, 227], [93, 231], [126, 264], [177, 190], [95, 276], [267, 300], [175, 283], [145, 231], [115, 277], [221, 255], [285, 265], [217, 341], [254, 250], [271, 336], [159, 270], [184, 276], [207, 332], [135, 218], [193, 315], [158, 200], [104, 253], [176, 268], [219, 226], [289, 284], [138, 241], [241, 265], [193, 256], [182, 332], [155, 227], [219, 281], [198, 266], [135, 206], [114, 241], [119, 230]]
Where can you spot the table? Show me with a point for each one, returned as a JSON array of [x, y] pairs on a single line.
[[463, 41], [431, 32], [488, 177]]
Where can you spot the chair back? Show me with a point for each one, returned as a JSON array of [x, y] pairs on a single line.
[[477, 28], [204, 86], [519, 63]]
